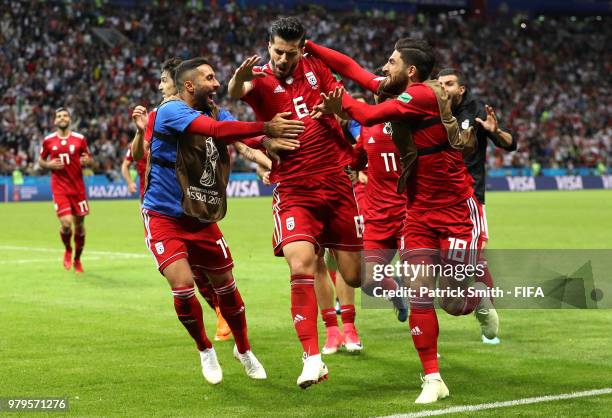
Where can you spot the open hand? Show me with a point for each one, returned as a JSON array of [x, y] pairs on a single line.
[[490, 124], [280, 127], [332, 103], [245, 72]]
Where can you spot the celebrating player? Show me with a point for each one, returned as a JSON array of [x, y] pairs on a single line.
[[441, 226], [186, 196], [67, 152], [470, 111], [313, 206], [139, 148]]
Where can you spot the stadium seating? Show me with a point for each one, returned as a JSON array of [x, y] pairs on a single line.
[[548, 78]]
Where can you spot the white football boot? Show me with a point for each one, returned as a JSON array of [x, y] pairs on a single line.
[[314, 371], [434, 389], [252, 366], [211, 369]]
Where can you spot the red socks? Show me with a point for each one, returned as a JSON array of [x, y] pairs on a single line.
[[233, 311], [189, 312], [347, 313], [79, 243], [424, 330], [329, 317], [304, 312], [206, 290], [66, 237]]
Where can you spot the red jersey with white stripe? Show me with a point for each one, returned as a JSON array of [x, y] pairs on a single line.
[[322, 145], [68, 180], [441, 179], [382, 203]]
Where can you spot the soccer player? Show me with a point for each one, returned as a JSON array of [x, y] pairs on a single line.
[[65, 152], [470, 111], [313, 205], [383, 208], [441, 226], [186, 196]]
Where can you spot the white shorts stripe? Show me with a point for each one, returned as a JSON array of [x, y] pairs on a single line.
[[475, 218]]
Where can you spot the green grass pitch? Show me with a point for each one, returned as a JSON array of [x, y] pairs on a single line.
[[109, 339]]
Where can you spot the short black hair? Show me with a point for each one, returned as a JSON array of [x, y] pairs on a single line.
[[184, 70], [170, 65], [288, 29], [419, 53], [453, 71], [62, 109]]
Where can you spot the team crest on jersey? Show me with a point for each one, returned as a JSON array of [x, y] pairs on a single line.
[[465, 124], [159, 247], [387, 128], [71, 148], [311, 79], [290, 222]]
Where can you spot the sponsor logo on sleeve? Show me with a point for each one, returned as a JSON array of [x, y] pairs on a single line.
[[404, 97]]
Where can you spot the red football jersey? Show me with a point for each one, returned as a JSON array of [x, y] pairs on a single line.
[[322, 145], [69, 180], [381, 199], [150, 123], [441, 179]]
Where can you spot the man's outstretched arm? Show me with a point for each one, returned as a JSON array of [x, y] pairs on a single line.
[[345, 66], [339, 102], [231, 131]]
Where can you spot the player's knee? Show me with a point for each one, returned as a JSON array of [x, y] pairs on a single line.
[[303, 265], [353, 279], [452, 306], [65, 224], [178, 274], [217, 279]]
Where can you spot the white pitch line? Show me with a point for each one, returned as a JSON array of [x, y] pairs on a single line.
[[40, 260], [495, 405], [86, 251]]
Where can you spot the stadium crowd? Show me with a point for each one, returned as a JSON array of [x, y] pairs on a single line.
[[548, 78]]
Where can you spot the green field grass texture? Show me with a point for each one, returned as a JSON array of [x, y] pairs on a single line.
[[109, 340]]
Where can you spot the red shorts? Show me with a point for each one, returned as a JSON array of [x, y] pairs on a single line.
[[70, 204], [360, 196], [454, 233], [202, 244], [320, 210], [381, 239]]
